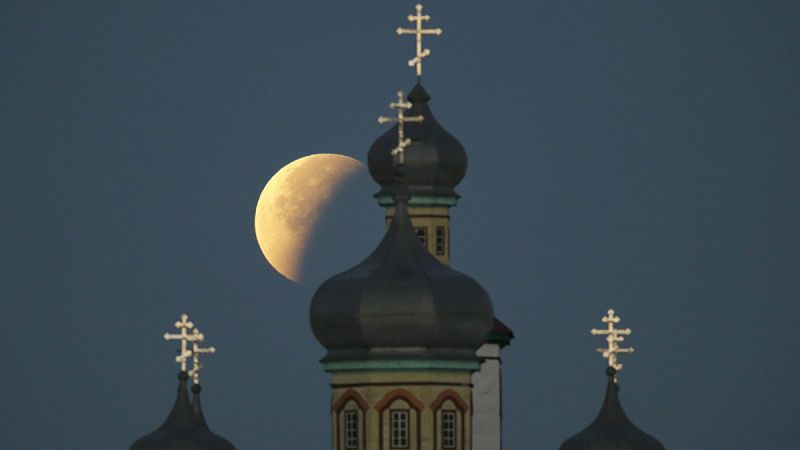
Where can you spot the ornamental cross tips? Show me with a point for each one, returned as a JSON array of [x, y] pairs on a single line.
[[613, 336], [184, 325], [196, 351], [419, 31], [401, 105]]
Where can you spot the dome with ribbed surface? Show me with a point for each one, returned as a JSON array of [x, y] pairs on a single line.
[[611, 430], [185, 427], [401, 303], [435, 161]]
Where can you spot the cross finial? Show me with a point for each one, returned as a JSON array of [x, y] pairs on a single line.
[[401, 105], [184, 325], [613, 336], [196, 351], [419, 31]]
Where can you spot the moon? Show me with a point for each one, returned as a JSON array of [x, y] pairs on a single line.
[[292, 203]]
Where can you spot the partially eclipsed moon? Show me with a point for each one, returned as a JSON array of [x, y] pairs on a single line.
[[291, 205]]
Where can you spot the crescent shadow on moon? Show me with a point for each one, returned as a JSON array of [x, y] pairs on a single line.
[[293, 202]]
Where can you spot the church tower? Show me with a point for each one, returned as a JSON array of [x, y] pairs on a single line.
[[407, 337], [435, 163]]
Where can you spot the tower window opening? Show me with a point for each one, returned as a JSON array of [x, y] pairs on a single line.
[[399, 428], [351, 429], [440, 240], [422, 235], [448, 429]]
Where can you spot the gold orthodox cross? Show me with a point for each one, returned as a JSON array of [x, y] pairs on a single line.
[[419, 31], [196, 351], [184, 326], [401, 105], [613, 337]]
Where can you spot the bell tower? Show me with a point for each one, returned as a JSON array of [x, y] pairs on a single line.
[[407, 338], [435, 162]]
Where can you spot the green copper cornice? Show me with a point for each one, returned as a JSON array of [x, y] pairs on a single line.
[[400, 365], [420, 200]]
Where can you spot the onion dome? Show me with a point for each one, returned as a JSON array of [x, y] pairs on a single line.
[[401, 303], [611, 430], [185, 427], [435, 161]]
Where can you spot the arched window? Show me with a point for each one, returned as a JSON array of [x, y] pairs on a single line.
[[449, 412], [349, 422], [399, 420]]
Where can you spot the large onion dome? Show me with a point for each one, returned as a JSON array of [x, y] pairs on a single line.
[[185, 427], [401, 303], [435, 161], [611, 430]]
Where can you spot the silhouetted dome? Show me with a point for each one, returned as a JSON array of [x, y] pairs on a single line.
[[435, 162], [185, 427], [401, 303], [611, 430]]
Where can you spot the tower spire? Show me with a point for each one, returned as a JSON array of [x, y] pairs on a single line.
[[613, 337], [419, 31]]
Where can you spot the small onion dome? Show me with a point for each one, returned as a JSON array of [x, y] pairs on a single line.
[[435, 161], [185, 427], [401, 303], [611, 430]]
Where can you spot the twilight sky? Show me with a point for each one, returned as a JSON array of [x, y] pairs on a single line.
[[638, 155]]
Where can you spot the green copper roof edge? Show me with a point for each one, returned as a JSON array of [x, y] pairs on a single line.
[[400, 365], [424, 200]]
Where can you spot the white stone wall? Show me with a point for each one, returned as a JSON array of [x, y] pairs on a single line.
[[487, 400]]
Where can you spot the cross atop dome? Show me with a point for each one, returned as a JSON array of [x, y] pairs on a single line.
[[611, 429], [185, 427], [184, 325], [419, 31], [196, 351], [613, 337], [401, 105]]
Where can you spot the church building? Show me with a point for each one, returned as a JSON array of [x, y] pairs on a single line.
[[412, 346]]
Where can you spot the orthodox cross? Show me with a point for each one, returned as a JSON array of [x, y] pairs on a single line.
[[613, 336], [184, 326], [196, 351], [419, 31], [400, 106]]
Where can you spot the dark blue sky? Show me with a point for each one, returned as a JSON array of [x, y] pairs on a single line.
[[635, 155]]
